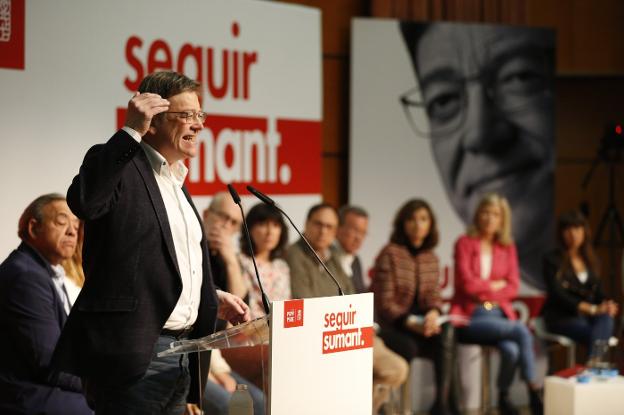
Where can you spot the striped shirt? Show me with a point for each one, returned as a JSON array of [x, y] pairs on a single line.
[[403, 282]]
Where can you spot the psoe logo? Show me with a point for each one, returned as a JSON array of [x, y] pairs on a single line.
[[344, 334], [12, 34], [5, 20], [293, 313]]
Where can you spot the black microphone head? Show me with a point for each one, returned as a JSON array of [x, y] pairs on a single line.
[[261, 195], [235, 197]]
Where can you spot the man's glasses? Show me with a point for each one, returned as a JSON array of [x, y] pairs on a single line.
[[445, 100], [189, 116], [226, 219], [323, 225]]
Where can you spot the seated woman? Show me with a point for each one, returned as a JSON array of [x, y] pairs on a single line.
[[74, 274], [486, 281], [405, 281], [269, 237], [575, 304]]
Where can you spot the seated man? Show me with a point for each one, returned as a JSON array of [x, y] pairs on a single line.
[[308, 279], [33, 309], [350, 235], [222, 220]]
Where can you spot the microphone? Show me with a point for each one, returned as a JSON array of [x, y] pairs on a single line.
[[236, 198], [266, 199]]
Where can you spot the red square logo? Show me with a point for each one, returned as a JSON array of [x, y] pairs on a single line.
[[293, 313], [12, 34]]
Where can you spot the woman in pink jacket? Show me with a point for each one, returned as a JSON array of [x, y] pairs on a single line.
[[486, 281]]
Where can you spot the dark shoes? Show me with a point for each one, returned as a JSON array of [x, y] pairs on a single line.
[[535, 402], [444, 409], [505, 407]]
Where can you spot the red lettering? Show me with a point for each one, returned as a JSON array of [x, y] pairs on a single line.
[[295, 143], [249, 58], [235, 74], [217, 91], [153, 62], [227, 72], [132, 43], [195, 52]]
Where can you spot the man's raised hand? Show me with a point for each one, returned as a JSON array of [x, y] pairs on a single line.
[[142, 108]]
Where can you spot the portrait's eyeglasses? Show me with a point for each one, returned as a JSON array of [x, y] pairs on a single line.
[[510, 88], [189, 116]]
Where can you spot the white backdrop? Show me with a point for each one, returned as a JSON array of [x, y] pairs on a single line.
[[381, 137], [389, 165], [81, 55]]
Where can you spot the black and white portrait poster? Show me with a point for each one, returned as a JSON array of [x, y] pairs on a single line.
[[448, 112]]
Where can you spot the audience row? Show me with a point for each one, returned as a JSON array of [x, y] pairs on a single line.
[[405, 278]]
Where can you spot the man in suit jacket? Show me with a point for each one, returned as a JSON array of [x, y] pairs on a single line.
[[33, 309], [350, 234], [148, 279]]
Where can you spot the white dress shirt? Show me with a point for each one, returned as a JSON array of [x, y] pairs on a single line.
[[185, 230], [486, 265], [582, 276], [72, 289], [59, 283], [346, 260]]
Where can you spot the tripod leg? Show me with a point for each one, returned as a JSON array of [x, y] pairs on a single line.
[[617, 220]]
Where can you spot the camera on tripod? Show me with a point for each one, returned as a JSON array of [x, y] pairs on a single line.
[[612, 143]]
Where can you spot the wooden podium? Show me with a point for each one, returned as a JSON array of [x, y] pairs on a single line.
[[320, 353]]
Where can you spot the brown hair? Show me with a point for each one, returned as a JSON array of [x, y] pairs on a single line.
[[318, 207], [573, 219], [350, 209], [403, 215], [168, 83]]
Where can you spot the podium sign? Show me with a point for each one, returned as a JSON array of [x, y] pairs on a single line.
[[321, 355]]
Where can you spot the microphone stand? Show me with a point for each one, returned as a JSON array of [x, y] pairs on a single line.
[[266, 199], [236, 198]]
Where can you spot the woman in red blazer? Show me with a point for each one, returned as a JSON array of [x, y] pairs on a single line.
[[486, 281]]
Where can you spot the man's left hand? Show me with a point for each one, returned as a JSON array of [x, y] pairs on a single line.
[[232, 308]]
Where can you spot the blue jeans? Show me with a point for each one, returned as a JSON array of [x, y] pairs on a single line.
[[217, 399], [584, 330], [512, 338], [162, 390]]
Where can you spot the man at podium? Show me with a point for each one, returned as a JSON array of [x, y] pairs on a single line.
[[148, 280]]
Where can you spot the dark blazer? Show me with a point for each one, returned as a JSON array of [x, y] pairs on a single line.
[[31, 319], [132, 277], [565, 292]]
